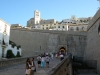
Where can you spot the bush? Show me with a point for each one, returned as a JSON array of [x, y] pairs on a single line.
[[13, 45], [18, 54], [18, 47], [10, 54]]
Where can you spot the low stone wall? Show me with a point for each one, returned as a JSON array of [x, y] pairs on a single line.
[[63, 68], [14, 61]]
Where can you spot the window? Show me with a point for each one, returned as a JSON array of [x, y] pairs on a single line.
[[43, 28], [77, 28], [42, 25], [99, 29], [46, 25], [63, 27], [58, 26], [82, 28], [71, 29]]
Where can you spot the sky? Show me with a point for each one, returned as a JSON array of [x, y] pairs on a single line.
[[20, 11]]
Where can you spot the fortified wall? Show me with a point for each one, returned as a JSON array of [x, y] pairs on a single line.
[[34, 42], [93, 40]]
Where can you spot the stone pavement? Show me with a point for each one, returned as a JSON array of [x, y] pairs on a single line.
[[20, 68]]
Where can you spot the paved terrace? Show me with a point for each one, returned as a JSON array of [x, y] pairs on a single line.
[[20, 68]]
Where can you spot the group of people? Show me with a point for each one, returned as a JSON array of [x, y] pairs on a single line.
[[41, 60], [30, 66]]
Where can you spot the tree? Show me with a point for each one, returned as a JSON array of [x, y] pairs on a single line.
[[18, 54], [10, 54], [19, 46]]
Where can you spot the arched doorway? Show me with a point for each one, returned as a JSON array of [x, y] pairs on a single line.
[[63, 50]]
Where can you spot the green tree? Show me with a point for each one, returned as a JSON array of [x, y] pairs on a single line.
[[18, 54], [10, 54], [19, 46]]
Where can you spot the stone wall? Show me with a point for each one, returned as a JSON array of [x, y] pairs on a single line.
[[93, 41], [34, 42], [63, 68], [10, 62]]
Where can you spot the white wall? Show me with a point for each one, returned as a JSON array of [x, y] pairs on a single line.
[[14, 50], [4, 34]]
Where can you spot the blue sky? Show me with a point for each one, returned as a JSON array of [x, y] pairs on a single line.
[[20, 11]]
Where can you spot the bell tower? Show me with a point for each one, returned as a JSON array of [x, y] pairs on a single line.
[[36, 17]]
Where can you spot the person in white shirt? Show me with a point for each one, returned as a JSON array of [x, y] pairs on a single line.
[[61, 57], [56, 55], [39, 61], [52, 55], [47, 61]]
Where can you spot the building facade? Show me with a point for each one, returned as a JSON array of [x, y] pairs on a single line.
[[4, 39], [72, 24], [34, 21]]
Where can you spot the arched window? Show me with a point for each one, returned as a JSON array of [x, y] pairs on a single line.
[[99, 29], [58, 26], [63, 27]]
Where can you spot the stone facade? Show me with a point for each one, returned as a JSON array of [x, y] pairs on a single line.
[[93, 41], [40, 41]]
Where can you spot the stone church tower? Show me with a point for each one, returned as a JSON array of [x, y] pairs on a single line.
[[36, 17]]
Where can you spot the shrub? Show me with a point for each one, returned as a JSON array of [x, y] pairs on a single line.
[[18, 54], [13, 45], [18, 47], [10, 54]]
